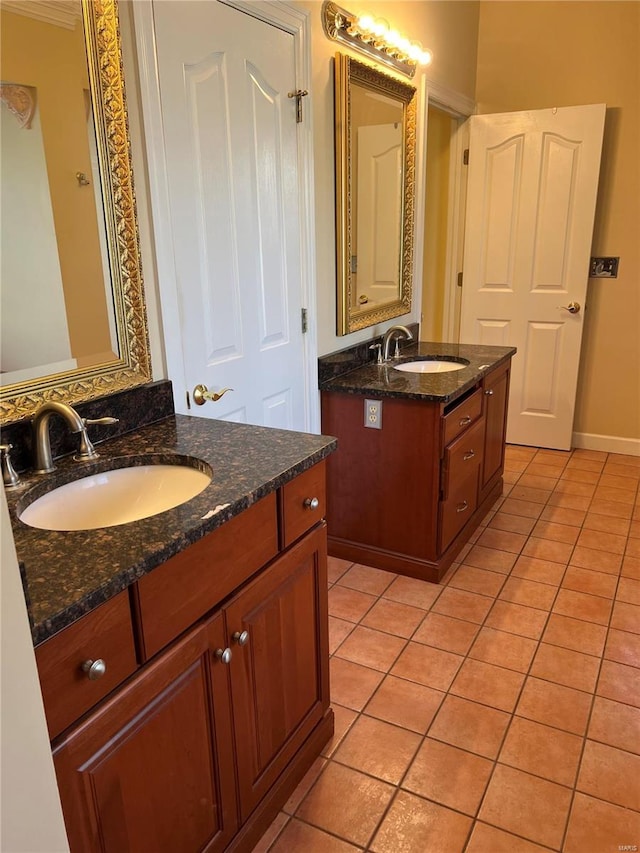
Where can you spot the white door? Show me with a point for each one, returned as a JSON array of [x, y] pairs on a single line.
[[231, 159], [532, 187], [379, 207]]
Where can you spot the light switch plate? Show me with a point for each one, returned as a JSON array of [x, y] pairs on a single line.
[[604, 268]]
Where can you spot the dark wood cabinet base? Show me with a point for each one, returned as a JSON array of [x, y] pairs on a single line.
[[266, 812], [413, 567]]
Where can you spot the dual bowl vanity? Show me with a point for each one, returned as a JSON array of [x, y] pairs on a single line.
[[183, 650]]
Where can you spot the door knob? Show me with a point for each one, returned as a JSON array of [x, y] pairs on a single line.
[[572, 307], [201, 394]]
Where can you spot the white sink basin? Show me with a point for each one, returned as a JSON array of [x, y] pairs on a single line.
[[430, 366], [115, 497]]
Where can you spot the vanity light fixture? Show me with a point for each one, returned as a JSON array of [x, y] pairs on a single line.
[[375, 38]]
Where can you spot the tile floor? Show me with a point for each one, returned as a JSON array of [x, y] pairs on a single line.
[[499, 710]]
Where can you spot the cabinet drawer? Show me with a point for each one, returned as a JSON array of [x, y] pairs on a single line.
[[104, 634], [298, 509], [463, 456], [462, 416], [458, 508], [179, 592]]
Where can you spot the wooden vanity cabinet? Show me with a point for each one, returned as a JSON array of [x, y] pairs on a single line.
[[152, 769], [202, 747], [407, 497]]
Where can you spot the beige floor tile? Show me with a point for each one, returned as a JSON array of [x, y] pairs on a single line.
[[426, 665], [564, 666], [371, 648], [346, 803], [542, 751], [352, 685], [414, 825], [554, 705], [298, 837], [444, 632], [471, 726], [366, 579], [488, 684], [610, 774], [527, 806], [503, 649], [517, 619], [576, 634], [378, 748], [593, 824], [615, 724], [449, 776], [392, 617], [405, 703]]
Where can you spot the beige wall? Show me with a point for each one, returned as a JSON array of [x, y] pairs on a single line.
[[533, 55], [449, 29]]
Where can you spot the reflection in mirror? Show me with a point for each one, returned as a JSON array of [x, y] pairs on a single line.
[[375, 169], [72, 312]]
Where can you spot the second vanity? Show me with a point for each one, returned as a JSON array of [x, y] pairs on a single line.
[[420, 455], [183, 658]]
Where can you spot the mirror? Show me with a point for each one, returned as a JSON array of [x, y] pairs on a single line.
[[72, 303], [375, 133]]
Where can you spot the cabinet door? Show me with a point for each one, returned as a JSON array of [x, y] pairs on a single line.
[[496, 394], [279, 676], [152, 770]]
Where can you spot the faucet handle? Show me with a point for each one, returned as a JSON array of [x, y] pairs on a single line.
[[86, 450], [105, 421], [377, 346], [9, 476]]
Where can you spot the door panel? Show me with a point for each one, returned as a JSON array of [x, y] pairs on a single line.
[[533, 180], [279, 678], [231, 155]]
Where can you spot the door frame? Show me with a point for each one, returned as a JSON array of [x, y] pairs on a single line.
[[294, 21], [459, 107]]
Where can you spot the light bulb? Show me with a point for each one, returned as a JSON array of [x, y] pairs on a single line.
[[415, 52], [365, 23], [393, 38], [380, 28], [426, 57]]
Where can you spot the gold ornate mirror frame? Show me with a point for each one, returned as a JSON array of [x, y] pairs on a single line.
[[133, 367], [348, 72]]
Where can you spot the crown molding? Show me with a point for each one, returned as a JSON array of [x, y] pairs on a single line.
[[60, 13]]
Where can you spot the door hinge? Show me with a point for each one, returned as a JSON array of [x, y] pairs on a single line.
[[465, 157], [299, 94], [459, 282], [188, 400], [305, 322]]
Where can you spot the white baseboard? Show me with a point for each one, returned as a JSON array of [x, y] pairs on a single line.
[[608, 443]]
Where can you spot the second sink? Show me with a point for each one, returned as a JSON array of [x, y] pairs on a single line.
[[116, 496], [431, 365]]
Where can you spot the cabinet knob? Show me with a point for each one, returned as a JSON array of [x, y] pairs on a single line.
[[462, 507], [489, 393], [311, 503], [468, 455], [241, 637], [224, 655], [94, 669], [464, 421]]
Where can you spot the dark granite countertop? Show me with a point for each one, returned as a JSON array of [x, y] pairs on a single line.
[[385, 381], [67, 574]]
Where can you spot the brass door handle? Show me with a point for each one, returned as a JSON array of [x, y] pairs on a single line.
[[572, 307], [201, 394]]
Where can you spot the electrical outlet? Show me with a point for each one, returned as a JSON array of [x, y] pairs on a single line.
[[373, 414]]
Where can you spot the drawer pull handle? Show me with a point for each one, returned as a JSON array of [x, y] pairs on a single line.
[[224, 655], [94, 669], [462, 507], [241, 637], [489, 393], [311, 503], [469, 455], [464, 421]]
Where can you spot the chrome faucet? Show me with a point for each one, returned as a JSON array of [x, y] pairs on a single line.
[[42, 442], [395, 333]]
